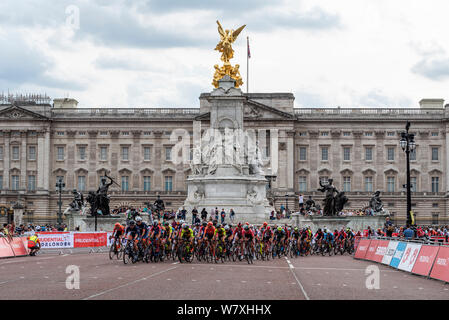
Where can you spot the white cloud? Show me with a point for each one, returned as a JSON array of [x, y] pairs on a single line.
[[346, 53]]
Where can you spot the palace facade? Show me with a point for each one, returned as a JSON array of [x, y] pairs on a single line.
[[358, 148]]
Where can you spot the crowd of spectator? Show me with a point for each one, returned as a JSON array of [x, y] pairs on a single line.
[[10, 230]]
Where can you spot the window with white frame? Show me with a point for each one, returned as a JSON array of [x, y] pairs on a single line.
[[346, 153], [434, 154], [369, 153], [146, 153], [302, 184], [125, 153], [103, 153], [435, 184], [60, 153], [168, 153], [324, 153], [81, 183], [369, 184], [390, 184], [390, 153], [125, 183], [147, 183], [31, 153], [15, 182], [15, 153], [82, 152], [168, 183], [31, 183], [413, 184], [347, 184], [302, 153]]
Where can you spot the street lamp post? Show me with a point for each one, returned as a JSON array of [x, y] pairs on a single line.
[[60, 185], [286, 204], [407, 144]]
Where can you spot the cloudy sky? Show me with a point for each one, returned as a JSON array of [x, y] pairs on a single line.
[[159, 53]]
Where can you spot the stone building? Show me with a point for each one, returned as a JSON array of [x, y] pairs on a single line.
[[358, 148]]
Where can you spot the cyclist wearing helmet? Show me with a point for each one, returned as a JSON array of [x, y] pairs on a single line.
[[118, 233], [132, 233], [248, 235], [279, 235], [238, 236], [187, 235], [209, 233], [143, 230], [295, 236], [166, 234], [220, 233]]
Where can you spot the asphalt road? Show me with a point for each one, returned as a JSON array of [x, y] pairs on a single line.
[[304, 278]]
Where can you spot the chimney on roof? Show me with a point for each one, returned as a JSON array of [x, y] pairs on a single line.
[[65, 103], [432, 103]]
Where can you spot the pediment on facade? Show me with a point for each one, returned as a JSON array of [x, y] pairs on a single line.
[[257, 110], [18, 113]]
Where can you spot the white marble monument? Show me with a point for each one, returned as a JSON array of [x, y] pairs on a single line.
[[227, 167]]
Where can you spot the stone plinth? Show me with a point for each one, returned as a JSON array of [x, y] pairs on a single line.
[[87, 223], [354, 222]]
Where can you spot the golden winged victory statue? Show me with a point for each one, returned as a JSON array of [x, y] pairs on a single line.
[[227, 38]]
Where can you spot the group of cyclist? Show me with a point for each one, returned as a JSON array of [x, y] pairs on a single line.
[[264, 238]]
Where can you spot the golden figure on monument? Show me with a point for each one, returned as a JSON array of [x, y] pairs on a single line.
[[227, 38]]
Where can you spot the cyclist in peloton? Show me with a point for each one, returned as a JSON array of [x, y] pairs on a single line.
[[118, 233], [279, 237], [143, 230], [295, 236], [187, 235], [220, 234], [155, 232], [209, 233], [132, 233], [248, 235], [238, 235]]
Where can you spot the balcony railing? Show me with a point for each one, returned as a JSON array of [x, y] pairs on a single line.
[[367, 112], [123, 112]]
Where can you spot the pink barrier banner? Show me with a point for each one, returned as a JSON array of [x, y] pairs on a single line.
[[5, 249], [18, 247], [362, 249], [440, 268], [381, 249], [90, 239], [371, 250], [425, 260]]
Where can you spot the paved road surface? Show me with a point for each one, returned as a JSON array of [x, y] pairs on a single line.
[[315, 277]]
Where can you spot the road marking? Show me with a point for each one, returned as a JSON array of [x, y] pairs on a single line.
[[420, 288], [218, 280], [168, 279], [243, 281], [318, 284], [129, 283], [297, 280], [395, 287], [119, 278], [344, 285], [193, 280], [65, 255], [268, 282]]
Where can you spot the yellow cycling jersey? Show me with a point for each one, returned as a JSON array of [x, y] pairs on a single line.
[[220, 231], [187, 233]]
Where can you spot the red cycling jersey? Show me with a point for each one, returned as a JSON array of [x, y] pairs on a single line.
[[248, 233], [238, 231]]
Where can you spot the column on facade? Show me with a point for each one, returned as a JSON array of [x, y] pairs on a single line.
[[283, 156], [158, 158], [71, 160], [47, 160], [23, 159], [113, 157], [336, 160], [92, 167], [41, 159], [446, 159], [7, 159], [274, 156], [291, 160], [137, 159], [357, 183], [314, 159]]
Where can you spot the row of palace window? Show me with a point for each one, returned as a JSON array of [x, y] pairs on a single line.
[[82, 154], [124, 153], [15, 182], [168, 183], [368, 153], [15, 153], [368, 186], [81, 185]]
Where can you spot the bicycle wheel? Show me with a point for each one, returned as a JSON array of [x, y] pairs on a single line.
[[112, 251], [126, 256], [120, 253]]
